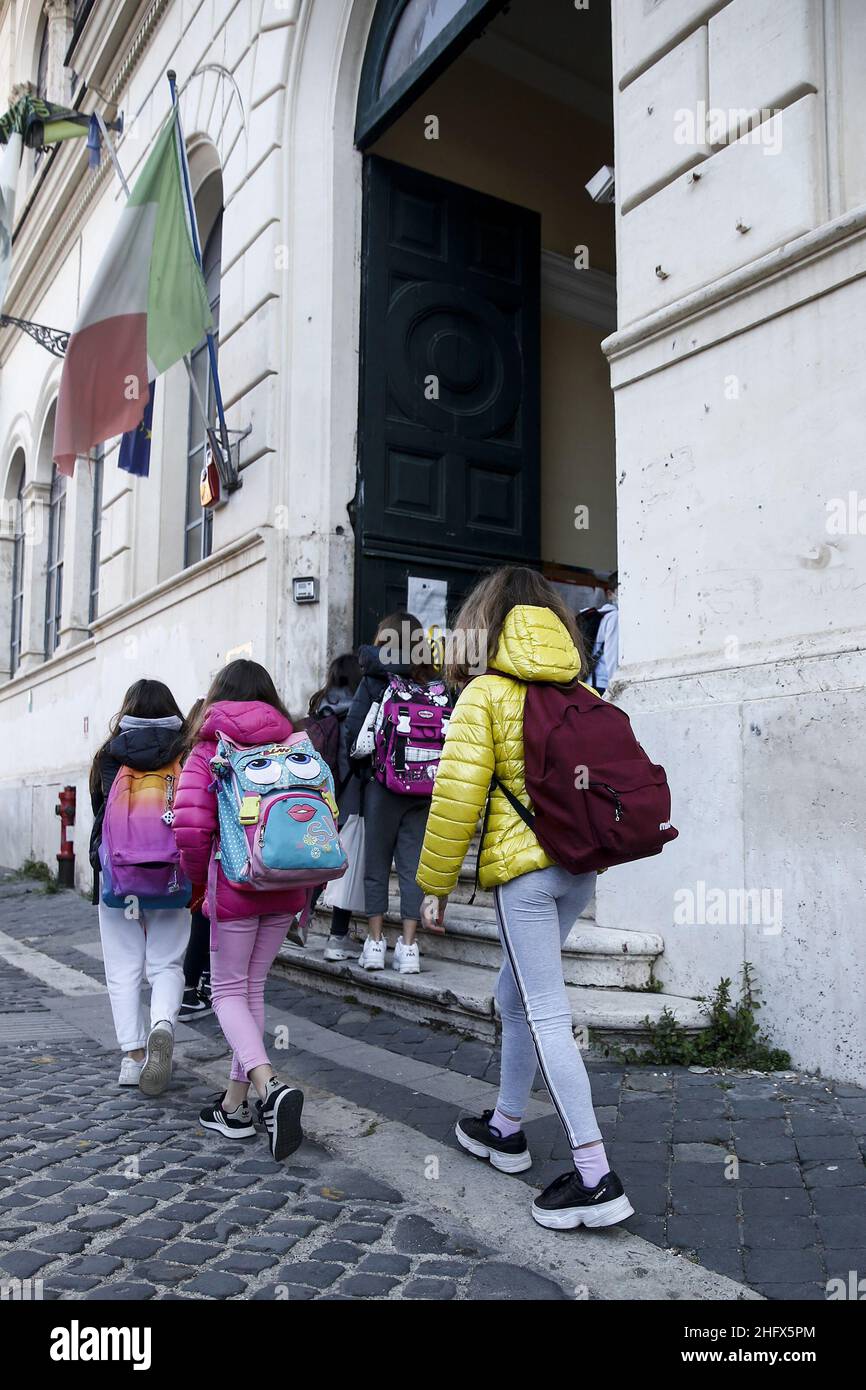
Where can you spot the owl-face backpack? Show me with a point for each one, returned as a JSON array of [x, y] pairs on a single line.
[[277, 815]]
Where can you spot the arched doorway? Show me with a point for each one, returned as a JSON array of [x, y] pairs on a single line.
[[485, 413]]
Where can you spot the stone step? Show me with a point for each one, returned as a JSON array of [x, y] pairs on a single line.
[[465, 888], [593, 956], [461, 995]]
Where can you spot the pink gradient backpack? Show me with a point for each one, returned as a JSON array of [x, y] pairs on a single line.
[[138, 855]]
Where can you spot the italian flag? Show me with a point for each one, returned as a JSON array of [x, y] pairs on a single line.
[[147, 308]]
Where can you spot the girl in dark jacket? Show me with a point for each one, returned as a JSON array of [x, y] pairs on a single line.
[[335, 698], [394, 825], [145, 734]]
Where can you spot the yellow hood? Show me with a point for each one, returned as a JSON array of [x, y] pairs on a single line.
[[535, 646]]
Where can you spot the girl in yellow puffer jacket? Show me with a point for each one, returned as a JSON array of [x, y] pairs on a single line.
[[530, 635]]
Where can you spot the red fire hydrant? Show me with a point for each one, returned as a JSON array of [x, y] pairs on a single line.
[[65, 809]]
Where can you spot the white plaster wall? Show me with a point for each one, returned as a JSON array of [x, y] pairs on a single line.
[[695, 202], [846, 61], [749, 199], [743, 616], [724, 500], [648, 154], [768, 794]]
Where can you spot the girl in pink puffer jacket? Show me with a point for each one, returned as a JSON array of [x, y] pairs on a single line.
[[243, 704]]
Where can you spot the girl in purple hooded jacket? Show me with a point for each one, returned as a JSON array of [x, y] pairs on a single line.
[[243, 704]]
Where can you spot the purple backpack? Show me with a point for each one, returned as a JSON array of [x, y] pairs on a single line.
[[410, 731], [137, 853]]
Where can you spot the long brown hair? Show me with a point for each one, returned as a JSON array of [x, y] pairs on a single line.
[[145, 699], [240, 680], [413, 642], [344, 673], [486, 607]]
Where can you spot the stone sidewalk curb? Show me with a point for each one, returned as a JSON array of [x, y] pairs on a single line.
[[609, 1265]]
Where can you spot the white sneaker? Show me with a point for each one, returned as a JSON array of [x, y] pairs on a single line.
[[156, 1072], [407, 959], [336, 949], [372, 956], [130, 1071]]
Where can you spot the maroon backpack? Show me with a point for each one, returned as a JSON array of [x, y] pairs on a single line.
[[598, 799], [323, 731]]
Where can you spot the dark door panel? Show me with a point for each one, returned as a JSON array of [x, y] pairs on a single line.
[[387, 579], [450, 395]]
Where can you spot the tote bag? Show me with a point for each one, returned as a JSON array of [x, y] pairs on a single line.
[[348, 892], [365, 743]]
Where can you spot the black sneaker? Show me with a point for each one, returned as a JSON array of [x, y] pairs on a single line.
[[234, 1124], [204, 986], [194, 1005], [509, 1155], [566, 1203], [280, 1113]]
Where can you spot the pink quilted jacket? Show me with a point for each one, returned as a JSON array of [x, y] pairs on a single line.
[[246, 722]]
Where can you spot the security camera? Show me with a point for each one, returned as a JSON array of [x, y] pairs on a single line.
[[601, 186]]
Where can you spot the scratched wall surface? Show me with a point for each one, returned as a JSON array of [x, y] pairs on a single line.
[[732, 465], [740, 398]]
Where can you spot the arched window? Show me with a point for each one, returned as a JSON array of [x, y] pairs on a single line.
[[421, 22], [54, 568], [199, 520], [410, 43], [17, 614], [96, 533]]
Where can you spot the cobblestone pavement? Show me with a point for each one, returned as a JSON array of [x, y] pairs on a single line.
[[105, 1194]]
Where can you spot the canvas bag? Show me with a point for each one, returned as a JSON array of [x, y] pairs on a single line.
[[598, 799], [365, 743], [348, 892]]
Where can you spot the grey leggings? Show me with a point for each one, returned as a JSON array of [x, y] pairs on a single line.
[[535, 913], [394, 828]]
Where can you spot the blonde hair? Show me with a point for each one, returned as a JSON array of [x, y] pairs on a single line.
[[486, 607]]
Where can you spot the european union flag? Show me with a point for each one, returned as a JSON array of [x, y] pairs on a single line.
[[135, 444]]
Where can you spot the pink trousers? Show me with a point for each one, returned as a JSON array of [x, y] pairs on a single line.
[[247, 949]]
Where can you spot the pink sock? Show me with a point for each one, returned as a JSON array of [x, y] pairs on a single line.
[[505, 1126], [591, 1164]]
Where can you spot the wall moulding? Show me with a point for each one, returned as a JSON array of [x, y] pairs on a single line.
[[588, 296], [810, 266], [221, 565], [656, 685]]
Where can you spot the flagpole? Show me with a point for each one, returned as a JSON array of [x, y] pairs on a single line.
[[211, 346], [125, 186], [103, 130]]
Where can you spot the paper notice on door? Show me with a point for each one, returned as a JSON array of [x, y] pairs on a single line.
[[428, 600]]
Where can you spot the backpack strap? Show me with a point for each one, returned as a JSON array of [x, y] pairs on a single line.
[[481, 841], [523, 811], [212, 895], [525, 815]]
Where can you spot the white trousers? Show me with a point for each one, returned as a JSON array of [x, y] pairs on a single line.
[[151, 949]]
